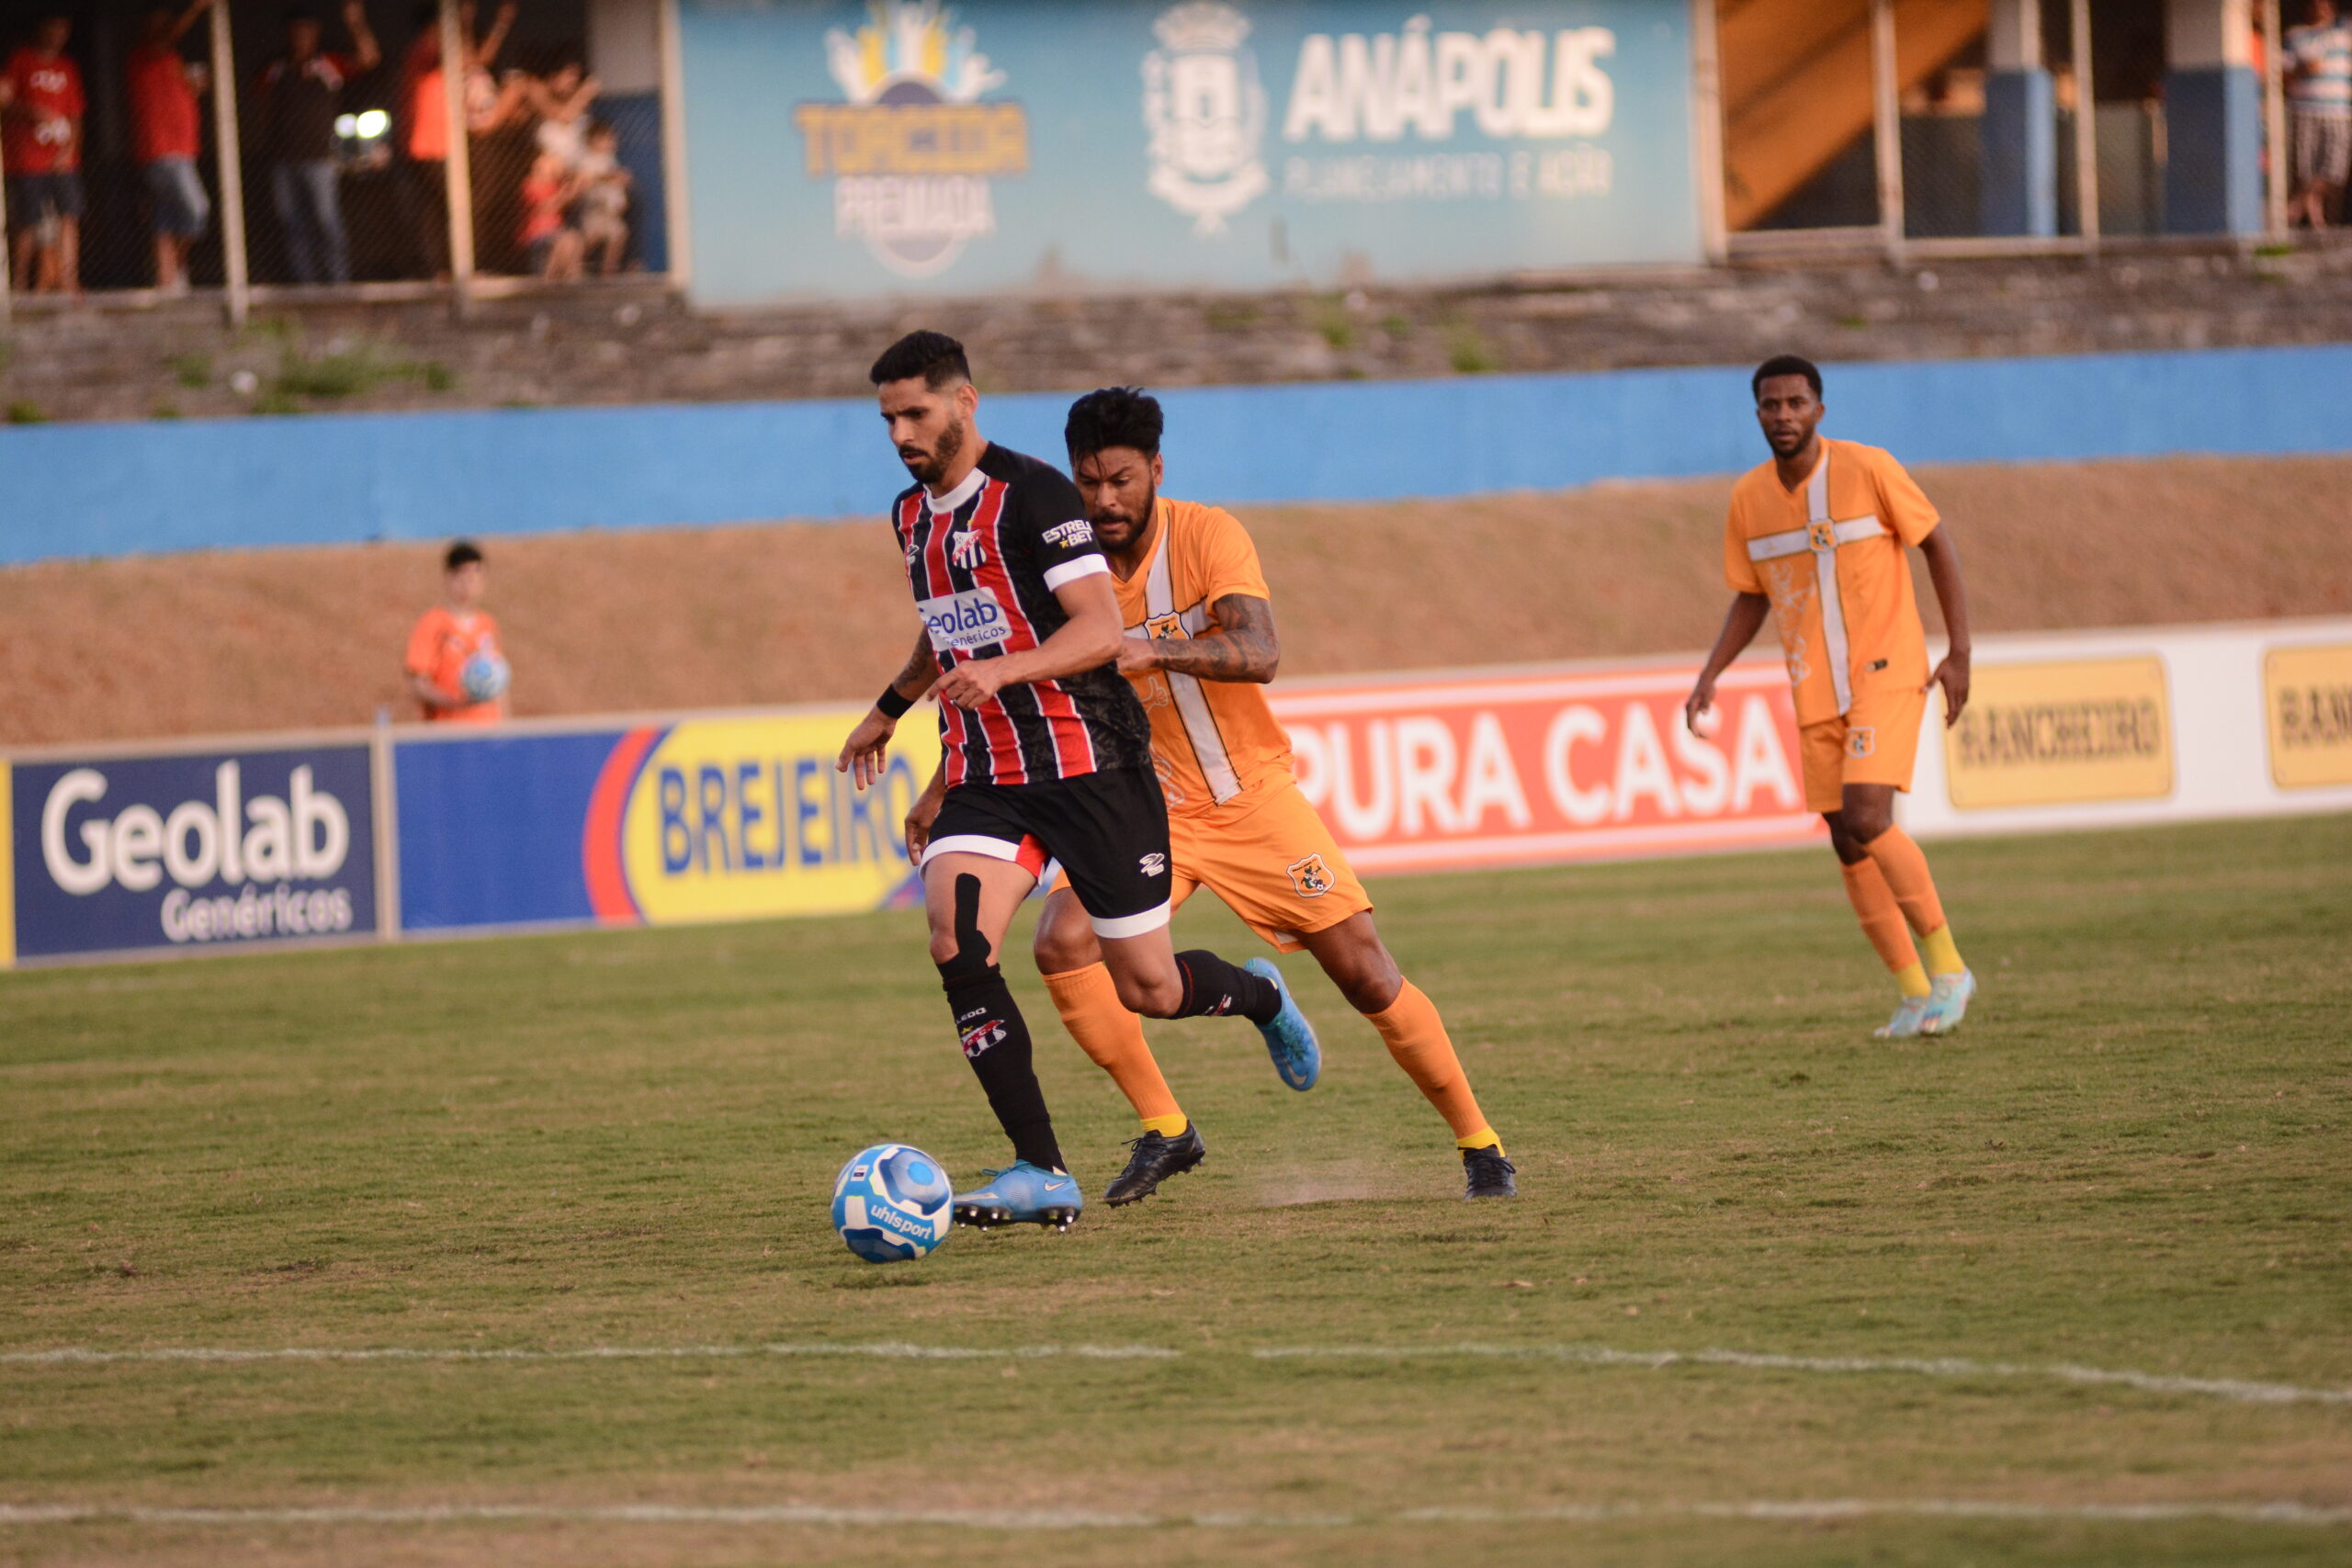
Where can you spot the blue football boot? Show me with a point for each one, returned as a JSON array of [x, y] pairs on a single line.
[[1948, 1003], [1290, 1039], [1022, 1194]]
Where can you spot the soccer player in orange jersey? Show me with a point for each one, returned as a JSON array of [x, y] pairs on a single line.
[[449, 638], [1199, 648], [1817, 536]]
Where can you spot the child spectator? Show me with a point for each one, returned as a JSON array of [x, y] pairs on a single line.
[[550, 243], [603, 201], [166, 136], [41, 106], [451, 635]]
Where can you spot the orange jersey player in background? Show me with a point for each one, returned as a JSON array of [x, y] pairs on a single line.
[[449, 638], [1819, 536], [1199, 649]]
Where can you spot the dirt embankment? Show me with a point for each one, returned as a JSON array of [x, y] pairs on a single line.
[[683, 618]]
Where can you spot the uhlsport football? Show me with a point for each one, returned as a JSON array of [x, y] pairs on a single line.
[[484, 677], [890, 1204]]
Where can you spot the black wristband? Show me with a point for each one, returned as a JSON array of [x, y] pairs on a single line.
[[891, 704]]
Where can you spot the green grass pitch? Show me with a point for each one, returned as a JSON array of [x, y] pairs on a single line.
[[2137, 1156]]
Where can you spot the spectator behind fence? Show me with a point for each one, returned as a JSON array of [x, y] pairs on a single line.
[[167, 135], [454, 665], [562, 100], [301, 93], [551, 243], [424, 131], [603, 201], [2318, 61], [41, 106]]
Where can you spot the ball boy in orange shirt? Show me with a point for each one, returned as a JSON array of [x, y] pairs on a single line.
[[451, 636]]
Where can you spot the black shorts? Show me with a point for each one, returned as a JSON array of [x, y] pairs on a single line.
[[1109, 829]]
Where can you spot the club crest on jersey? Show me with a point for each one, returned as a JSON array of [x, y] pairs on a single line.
[[1312, 877], [1861, 740], [963, 549], [1821, 536], [1165, 626], [1153, 865]]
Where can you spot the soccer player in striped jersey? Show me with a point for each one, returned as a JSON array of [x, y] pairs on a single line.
[[1045, 753], [1818, 537], [1199, 648]]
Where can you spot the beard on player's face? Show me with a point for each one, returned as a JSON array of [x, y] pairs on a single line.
[[1122, 521], [929, 465]]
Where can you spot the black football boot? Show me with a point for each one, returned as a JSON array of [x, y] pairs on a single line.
[[1485, 1174], [1155, 1157]]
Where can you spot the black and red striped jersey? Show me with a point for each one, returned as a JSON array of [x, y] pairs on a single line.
[[984, 561]]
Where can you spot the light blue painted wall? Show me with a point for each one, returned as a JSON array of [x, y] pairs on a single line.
[[91, 490]]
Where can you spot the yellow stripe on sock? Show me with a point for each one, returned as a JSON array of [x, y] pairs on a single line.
[[1168, 1126], [1941, 953], [1912, 980], [1484, 1138]]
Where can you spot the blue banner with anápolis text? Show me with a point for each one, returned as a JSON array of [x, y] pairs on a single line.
[[841, 149]]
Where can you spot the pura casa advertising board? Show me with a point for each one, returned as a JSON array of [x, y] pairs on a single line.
[[908, 146]]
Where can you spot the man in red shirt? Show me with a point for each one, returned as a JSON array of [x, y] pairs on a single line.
[[452, 636], [41, 145], [167, 135]]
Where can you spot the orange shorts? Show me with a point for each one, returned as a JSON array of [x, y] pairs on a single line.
[[1272, 862], [1874, 743]]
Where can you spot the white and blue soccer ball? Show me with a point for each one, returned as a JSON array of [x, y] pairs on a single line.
[[484, 677], [892, 1203]]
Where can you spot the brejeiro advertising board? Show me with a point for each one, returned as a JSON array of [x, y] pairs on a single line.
[[906, 146], [714, 819], [197, 850]]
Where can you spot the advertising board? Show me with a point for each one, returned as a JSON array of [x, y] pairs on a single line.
[[195, 849], [906, 147], [2035, 733], [724, 818], [1522, 767], [2307, 693]]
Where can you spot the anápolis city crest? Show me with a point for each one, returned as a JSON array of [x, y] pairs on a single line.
[[1207, 111]]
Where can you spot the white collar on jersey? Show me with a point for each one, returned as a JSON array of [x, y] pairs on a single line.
[[959, 496]]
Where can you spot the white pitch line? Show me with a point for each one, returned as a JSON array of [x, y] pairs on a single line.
[[2237, 1390], [1762, 1510], [882, 1350]]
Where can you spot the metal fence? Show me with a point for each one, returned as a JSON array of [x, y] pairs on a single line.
[[1906, 127], [232, 145]]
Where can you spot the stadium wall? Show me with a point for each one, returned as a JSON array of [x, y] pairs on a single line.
[[102, 489], [212, 846]]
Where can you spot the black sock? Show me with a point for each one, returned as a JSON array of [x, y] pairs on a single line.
[[996, 1042], [995, 1037], [1213, 988]]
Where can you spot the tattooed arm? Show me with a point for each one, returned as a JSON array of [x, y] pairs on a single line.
[[1243, 647], [866, 753]]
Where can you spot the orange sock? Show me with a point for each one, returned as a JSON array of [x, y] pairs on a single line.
[[1906, 870], [1880, 916], [1416, 1038], [1103, 1027]]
